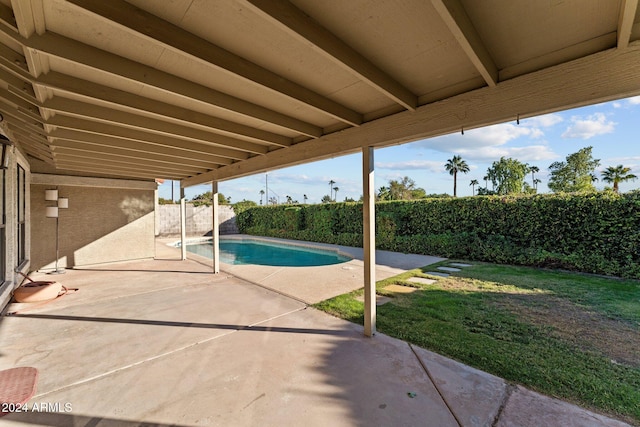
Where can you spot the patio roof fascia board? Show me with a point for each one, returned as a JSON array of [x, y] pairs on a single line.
[[84, 181], [173, 37], [297, 23], [600, 77]]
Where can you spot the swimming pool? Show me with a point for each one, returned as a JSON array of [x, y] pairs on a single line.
[[248, 251]]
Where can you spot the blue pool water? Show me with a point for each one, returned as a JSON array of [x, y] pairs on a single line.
[[263, 253]]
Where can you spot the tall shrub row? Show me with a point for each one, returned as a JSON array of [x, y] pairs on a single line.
[[597, 233]]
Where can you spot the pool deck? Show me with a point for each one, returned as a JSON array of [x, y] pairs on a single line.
[[315, 284], [166, 343]]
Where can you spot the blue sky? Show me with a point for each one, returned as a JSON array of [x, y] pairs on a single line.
[[610, 128]]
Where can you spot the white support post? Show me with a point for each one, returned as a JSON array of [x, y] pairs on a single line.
[[215, 230], [183, 225], [369, 241]]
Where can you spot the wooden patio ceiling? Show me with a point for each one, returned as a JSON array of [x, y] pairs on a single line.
[[212, 90]]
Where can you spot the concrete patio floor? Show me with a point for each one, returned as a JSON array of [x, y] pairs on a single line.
[[164, 342]]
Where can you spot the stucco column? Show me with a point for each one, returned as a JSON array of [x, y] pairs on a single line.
[[183, 225], [369, 241], [215, 230]]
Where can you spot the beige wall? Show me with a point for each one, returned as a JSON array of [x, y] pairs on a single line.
[[101, 225], [199, 220]]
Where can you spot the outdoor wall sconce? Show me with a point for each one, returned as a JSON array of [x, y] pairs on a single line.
[[4, 156], [53, 212]]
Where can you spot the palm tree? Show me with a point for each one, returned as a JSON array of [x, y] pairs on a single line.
[[261, 194], [335, 194], [331, 182], [453, 166], [486, 181], [473, 184], [533, 169], [616, 175], [535, 183]]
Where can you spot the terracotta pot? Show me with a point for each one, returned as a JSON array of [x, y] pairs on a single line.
[[37, 291]]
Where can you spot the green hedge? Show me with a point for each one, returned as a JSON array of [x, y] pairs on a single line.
[[597, 233]]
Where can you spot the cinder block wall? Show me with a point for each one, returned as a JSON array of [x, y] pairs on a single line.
[[199, 220], [101, 225]]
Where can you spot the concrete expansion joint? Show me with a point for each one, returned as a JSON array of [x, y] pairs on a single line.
[[509, 390], [137, 363], [435, 385], [272, 274], [276, 317], [260, 285]]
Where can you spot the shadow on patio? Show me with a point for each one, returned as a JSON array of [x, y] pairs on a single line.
[[150, 343], [174, 348]]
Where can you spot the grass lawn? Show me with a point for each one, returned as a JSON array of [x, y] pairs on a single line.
[[568, 335]]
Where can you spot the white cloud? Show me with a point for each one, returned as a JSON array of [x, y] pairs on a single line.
[[426, 165], [287, 178], [546, 120], [586, 128], [530, 153], [500, 134], [634, 100], [622, 160], [617, 105], [483, 143], [475, 139]]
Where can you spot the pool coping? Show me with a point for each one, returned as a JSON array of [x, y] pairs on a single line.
[[338, 250], [393, 260]]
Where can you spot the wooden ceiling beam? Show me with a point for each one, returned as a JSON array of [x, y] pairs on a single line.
[[88, 126], [160, 31], [302, 26], [7, 17], [601, 77], [83, 110], [89, 56], [115, 97], [625, 22], [456, 19], [131, 173], [61, 144], [96, 159], [110, 141]]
